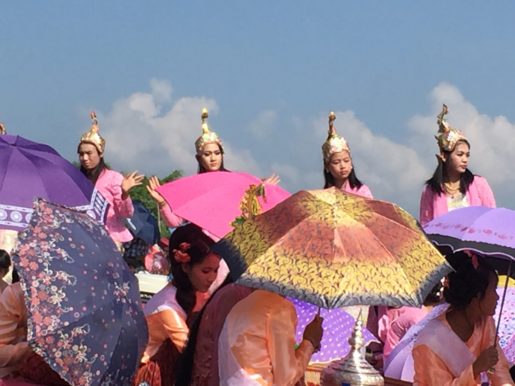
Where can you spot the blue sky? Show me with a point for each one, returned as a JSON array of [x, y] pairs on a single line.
[[269, 72]]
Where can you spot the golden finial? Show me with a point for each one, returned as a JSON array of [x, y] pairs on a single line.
[[250, 206], [332, 118], [440, 119], [204, 116]]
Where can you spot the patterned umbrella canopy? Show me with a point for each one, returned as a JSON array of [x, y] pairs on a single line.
[[335, 249], [84, 314]]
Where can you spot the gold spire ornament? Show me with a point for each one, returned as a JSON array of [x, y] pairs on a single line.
[[3, 130], [207, 135], [334, 142], [92, 136], [447, 136], [353, 370]]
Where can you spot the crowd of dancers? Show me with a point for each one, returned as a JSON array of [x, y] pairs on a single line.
[[205, 330]]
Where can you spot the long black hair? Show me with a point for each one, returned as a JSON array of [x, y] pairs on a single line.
[[354, 181], [440, 174], [468, 281], [186, 360], [200, 247]]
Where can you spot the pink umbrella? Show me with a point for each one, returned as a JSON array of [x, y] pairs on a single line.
[[212, 200]]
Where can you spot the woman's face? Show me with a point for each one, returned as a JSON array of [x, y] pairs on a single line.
[[340, 166], [88, 156], [457, 161], [211, 157], [488, 302], [203, 274]]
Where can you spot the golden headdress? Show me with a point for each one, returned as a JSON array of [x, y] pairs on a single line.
[[207, 135], [3, 130], [334, 143], [92, 136], [447, 136]]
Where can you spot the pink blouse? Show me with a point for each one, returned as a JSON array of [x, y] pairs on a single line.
[[109, 184], [363, 190], [166, 319], [257, 344], [433, 205], [205, 363], [432, 370]]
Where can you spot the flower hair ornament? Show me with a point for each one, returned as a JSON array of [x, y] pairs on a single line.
[[92, 135], [334, 143], [180, 255], [207, 135], [447, 136]]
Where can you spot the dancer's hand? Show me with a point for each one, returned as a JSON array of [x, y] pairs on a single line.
[[130, 181], [272, 180], [153, 184]]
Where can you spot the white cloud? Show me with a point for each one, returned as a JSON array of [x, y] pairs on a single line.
[[152, 133], [263, 126], [155, 133]]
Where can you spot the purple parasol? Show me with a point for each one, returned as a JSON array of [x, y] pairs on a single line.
[[30, 170], [337, 325]]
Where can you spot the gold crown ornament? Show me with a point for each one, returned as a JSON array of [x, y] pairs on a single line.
[[92, 136], [447, 136], [207, 135], [334, 142]]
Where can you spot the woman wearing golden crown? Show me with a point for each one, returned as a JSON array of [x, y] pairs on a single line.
[[210, 158], [452, 185], [113, 186], [338, 166]]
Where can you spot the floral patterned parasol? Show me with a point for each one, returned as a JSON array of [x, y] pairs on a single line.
[[84, 314]]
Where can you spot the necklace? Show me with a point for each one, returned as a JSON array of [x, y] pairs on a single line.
[[451, 188]]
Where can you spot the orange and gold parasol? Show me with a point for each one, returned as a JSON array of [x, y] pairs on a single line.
[[335, 249]]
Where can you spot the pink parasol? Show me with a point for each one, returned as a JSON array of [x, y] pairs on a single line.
[[212, 200]]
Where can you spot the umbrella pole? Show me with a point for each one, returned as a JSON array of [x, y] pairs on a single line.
[[502, 301]]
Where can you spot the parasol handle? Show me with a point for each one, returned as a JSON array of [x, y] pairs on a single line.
[[492, 370]]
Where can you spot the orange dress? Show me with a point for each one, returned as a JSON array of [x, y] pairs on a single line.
[[441, 358], [257, 344], [166, 319]]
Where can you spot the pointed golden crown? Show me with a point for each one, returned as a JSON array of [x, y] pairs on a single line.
[[207, 135], [92, 135], [334, 142], [447, 136]]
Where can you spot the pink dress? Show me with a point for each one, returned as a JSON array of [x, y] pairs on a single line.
[[395, 323], [433, 205], [442, 359], [257, 344], [363, 190], [109, 184]]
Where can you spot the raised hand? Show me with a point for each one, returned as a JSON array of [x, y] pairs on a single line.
[[153, 184], [272, 180], [130, 181]]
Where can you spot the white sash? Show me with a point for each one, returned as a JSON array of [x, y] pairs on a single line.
[[446, 345]]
